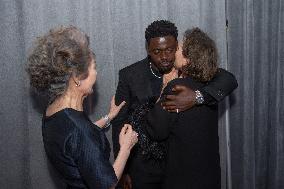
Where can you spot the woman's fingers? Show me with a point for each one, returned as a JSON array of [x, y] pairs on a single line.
[[121, 104], [123, 130], [128, 137]]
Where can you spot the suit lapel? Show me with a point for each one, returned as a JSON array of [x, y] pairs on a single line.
[[145, 84], [144, 88]]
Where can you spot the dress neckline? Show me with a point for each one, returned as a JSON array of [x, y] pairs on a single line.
[[60, 111]]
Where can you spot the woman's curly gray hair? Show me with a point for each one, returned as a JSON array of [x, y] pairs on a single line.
[[201, 53], [56, 56]]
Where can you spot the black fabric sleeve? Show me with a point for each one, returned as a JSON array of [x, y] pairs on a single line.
[[160, 121], [219, 87], [93, 163], [122, 94]]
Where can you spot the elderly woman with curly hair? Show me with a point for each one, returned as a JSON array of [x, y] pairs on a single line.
[[62, 65], [191, 135]]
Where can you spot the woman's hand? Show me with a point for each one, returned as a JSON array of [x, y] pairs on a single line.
[[104, 121], [169, 76], [114, 109], [127, 137]]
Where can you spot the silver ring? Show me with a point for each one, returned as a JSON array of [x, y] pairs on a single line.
[[177, 110]]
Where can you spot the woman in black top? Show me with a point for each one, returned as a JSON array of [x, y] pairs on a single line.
[[192, 135], [63, 66]]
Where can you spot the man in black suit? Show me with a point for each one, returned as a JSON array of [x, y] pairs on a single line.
[[143, 80]]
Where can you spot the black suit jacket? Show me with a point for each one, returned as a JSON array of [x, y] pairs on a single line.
[[137, 84]]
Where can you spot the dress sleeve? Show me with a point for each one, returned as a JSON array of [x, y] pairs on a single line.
[[93, 163], [160, 121]]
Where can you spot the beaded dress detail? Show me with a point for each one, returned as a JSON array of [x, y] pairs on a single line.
[[149, 148]]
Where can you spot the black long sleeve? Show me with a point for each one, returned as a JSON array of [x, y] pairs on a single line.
[[159, 122], [219, 87]]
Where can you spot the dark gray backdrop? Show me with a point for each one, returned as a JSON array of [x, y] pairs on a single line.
[[250, 118], [256, 56]]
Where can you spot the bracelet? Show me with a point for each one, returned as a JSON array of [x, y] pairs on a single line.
[[107, 120]]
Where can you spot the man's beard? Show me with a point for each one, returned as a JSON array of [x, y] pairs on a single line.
[[166, 69]]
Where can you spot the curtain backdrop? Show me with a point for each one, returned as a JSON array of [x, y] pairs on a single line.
[[254, 44], [256, 55]]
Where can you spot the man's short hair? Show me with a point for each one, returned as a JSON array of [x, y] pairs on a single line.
[[160, 28]]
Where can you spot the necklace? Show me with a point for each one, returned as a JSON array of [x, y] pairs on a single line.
[[153, 72]]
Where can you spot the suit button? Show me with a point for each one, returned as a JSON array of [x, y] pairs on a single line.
[[220, 93]]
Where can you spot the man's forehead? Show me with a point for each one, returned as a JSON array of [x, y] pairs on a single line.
[[164, 40]]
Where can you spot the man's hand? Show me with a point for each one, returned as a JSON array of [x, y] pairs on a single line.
[[183, 98], [125, 182]]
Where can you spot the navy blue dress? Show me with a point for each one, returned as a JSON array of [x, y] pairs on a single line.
[[78, 149]]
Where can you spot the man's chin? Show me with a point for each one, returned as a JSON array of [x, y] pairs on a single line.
[[166, 70]]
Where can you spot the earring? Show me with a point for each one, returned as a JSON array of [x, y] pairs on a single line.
[[78, 84]]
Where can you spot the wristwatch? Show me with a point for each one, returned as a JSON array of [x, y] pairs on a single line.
[[199, 97]]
